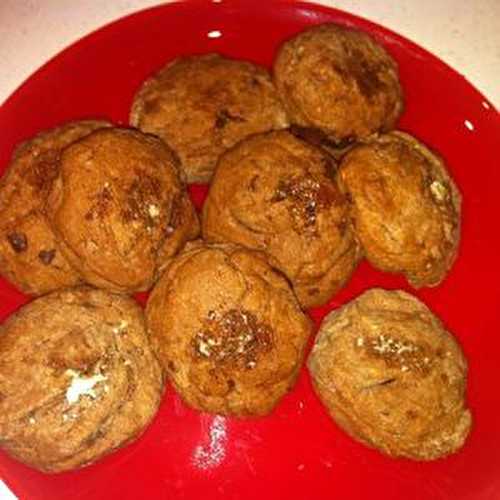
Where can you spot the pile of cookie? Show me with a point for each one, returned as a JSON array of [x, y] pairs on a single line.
[[306, 177]]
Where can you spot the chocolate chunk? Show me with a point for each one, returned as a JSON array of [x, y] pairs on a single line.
[[236, 336], [366, 74], [18, 242], [47, 256], [143, 192], [224, 117], [101, 204], [44, 170]]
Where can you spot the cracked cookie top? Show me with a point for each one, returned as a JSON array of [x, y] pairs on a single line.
[[204, 105], [120, 208], [392, 376], [339, 81], [228, 329], [77, 378], [406, 207], [276, 193]]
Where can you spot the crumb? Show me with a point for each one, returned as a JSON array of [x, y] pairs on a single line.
[[47, 256]]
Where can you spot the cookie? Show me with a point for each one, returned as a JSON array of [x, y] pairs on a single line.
[[120, 208], [227, 329], [78, 378], [30, 256], [203, 105], [406, 207], [276, 193], [340, 81], [392, 376]]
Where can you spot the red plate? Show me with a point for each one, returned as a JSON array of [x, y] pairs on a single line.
[[297, 452]]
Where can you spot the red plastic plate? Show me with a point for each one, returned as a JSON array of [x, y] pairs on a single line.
[[297, 452]]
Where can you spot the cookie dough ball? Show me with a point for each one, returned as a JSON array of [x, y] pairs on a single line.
[[120, 208], [278, 194], [203, 105], [30, 256], [406, 207], [338, 80], [78, 378], [227, 329], [392, 377]]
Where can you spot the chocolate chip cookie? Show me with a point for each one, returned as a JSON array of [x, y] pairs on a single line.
[[340, 81], [120, 208], [392, 376], [30, 256], [276, 193], [78, 378], [406, 207], [203, 105], [227, 329]]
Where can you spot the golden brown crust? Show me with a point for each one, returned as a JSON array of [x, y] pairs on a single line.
[[29, 253], [392, 376], [227, 329], [338, 80], [78, 378], [276, 193], [203, 105], [406, 207], [120, 208]]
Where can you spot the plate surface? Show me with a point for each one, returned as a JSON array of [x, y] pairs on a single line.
[[297, 452]]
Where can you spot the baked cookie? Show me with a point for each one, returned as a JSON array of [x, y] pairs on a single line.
[[340, 81], [203, 105], [78, 378], [120, 208], [29, 253], [227, 329], [392, 377], [406, 207], [276, 193]]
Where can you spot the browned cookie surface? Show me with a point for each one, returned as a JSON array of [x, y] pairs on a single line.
[[203, 105], [227, 329], [29, 253], [406, 207], [77, 378], [392, 376], [120, 208], [276, 193], [338, 80]]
